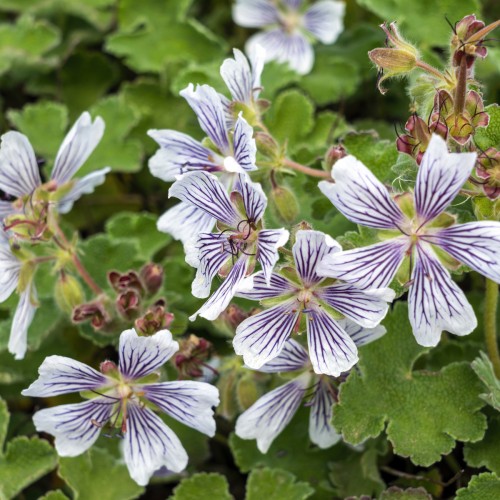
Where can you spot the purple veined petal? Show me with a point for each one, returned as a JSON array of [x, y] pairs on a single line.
[[440, 177], [209, 252], [476, 244], [268, 242], [292, 357], [244, 146], [187, 401], [6, 209], [262, 337], [140, 356], [435, 301], [179, 154], [75, 427], [184, 220], [85, 185], [357, 305], [293, 4], [10, 268], [205, 192], [325, 20], [254, 13], [360, 196], [206, 103], [331, 350], [61, 375], [321, 431], [282, 47], [360, 335], [262, 290], [254, 198], [19, 173], [25, 312], [237, 76], [270, 414], [257, 60], [367, 267], [149, 445], [310, 248], [77, 146], [221, 298]]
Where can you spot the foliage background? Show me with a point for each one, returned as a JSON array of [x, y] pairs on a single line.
[[126, 61]]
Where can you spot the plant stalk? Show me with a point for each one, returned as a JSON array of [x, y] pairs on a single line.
[[306, 170], [490, 324]]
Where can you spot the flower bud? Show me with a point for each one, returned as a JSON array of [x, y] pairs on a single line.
[[155, 319], [246, 392], [488, 170], [68, 292], [152, 277], [333, 154], [192, 356], [267, 145], [124, 281], [108, 367], [285, 203], [127, 304], [93, 311]]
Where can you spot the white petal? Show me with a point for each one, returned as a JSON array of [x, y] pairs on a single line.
[[237, 75], [244, 147], [254, 198], [258, 59], [268, 242], [75, 427], [360, 335], [292, 357], [25, 311], [6, 209], [77, 146], [149, 445], [325, 20], [435, 302], [360, 196], [10, 267], [187, 401], [321, 431], [254, 13], [140, 356], [19, 174], [440, 177], [263, 290]]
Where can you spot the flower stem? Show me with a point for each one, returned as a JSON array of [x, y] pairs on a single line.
[[461, 89], [490, 324], [427, 67], [306, 170]]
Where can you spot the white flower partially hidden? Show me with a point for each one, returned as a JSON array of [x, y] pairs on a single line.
[[122, 396]]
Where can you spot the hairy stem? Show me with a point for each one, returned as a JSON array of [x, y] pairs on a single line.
[[461, 90], [306, 170], [427, 67], [490, 324]]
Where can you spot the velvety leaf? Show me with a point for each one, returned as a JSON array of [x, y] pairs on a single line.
[[276, 484], [482, 487], [200, 485], [484, 370], [487, 137], [54, 495], [486, 452], [395, 493]]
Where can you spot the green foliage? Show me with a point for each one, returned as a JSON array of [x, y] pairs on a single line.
[[484, 370], [276, 484], [489, 137], [395, 493], [200, 485], [485, 453], [482, 487]]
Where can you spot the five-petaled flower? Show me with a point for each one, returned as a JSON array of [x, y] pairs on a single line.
[[239, 242], [289, 28], [271, 413], [420, 231], [299, 293], [179, 153], [122, 396]]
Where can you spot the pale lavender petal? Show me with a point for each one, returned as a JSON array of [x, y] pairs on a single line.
[[368, 267], [267, 417], [19, 174], [77, 146], [75, 427], [254, 13], [205, 192], [6, 209], [206, 103], [258, 60], [360, 335], [187, 401], [260, 338], [331, 350], [268, 242], [85, 185], [149, 445], [254, 198], [10, 268], [293, 4], [309, 250], [140, 356], [435, 302], [262, 290], [61, 375], [325, 20], [292, 357], [321, 430], [238, 77], [476, 244], [440, 177], [25, 312], [244, 145], [360, 196]]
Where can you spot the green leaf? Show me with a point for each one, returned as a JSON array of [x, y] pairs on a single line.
[[97, 474], [199, 73], [276, 76], [488, 137], [54, 495], [482, 487], [484, 370], [486, 453], [395, 493], [200, 485], [276, 484], [423, 412]]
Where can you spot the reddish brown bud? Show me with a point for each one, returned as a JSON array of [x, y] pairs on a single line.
[[154, 320], [124, 281], [108, 366], [127, 304], [93, 311], [193, 354], [152, 277], [334, 154]]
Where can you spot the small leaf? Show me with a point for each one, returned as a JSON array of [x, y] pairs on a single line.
[[482, 487], [395, 493], [200, 485], [484, 370], [276, 484]]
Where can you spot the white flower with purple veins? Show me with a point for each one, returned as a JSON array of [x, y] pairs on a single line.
[[270, 414], [239, 242], [122, 397], [20, 175], [420, 232], [233, 152], [302, 293], [290, 28]]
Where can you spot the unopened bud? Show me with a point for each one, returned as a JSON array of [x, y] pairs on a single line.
[[285, 203], [152, 277], [267, 145], [246, 392], [94, 312], [192, 356], [333, 154], [68, 292], [108, 367], [127, 304], [124, 281], [154, 320]]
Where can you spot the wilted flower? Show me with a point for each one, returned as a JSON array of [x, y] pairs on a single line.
[[121, 397], [421, 232], [289, 28]]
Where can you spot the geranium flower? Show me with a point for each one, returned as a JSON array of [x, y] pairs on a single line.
[[179, 153], [122, 397], [240, 240], [271, 413], [421, 232], [19, 171], [289, 28], [301, 292]]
